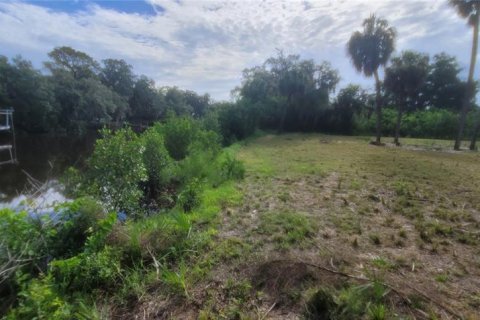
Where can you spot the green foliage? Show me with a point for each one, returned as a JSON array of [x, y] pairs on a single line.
[[177, 280], [74, 237], [232, 168], [351, 302], [189, 197], [21, 247], [156, 159], [146, 104], [88, 270], [40, 300], [137, 174], [285, 93], [236, 121], [371, 48], [116, 169], [434, 123], [179, 134], [74, 223]]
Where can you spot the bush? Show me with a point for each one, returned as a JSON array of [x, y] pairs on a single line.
[[88, 270], [237, 120], [22, 251], [232, 168], [178, 134], [434, 123], [116, 169], [189, 197], [28, 243], [73, 224], [40, 300], [157, 161]]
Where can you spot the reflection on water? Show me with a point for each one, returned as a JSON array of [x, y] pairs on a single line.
[[42, 203], [43, 158]]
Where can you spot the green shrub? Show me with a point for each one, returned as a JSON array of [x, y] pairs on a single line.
[[156, 158], [116, 169], [433, 123], [232, 168], [40, 300], [73, 224], [178, 135], [157, 234], [189, 197], [237, 120], [160, 169], [88, 271]]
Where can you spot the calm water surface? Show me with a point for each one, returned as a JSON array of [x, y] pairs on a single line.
[[43, 158]]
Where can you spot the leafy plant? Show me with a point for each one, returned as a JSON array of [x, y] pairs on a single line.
[[178, 133], [189, 197], [116, 169]]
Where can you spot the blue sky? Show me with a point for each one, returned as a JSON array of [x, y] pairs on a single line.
[[126, 6], [204, 45]]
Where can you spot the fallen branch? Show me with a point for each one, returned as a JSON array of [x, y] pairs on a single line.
[[268, 311]]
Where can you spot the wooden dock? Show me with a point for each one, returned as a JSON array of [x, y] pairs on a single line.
[[6, 126]]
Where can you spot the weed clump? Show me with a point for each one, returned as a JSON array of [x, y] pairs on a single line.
[[351, 302], [286, 228]]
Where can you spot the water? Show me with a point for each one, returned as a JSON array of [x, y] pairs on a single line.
[[42, 159]]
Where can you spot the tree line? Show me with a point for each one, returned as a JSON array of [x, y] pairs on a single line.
[[78, 93], [420, 96]]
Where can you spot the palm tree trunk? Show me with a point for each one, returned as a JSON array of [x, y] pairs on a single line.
[[473, 142], [378, 108], [470, 86], [476, 129], [397, 126]]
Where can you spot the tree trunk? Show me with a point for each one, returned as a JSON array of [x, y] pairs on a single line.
[[399, 122], [470, 86], [473, 142], [378, 108]]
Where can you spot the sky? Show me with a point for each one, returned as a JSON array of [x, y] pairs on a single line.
[[204, 45]]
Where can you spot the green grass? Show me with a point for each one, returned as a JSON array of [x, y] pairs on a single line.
[[286, 228], [406, 205], [335, 200]]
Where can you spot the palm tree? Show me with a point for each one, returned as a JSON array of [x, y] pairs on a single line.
[[369, 50], [468, 9], [403, 79]]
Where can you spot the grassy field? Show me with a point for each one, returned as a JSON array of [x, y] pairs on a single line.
[[331, 227]]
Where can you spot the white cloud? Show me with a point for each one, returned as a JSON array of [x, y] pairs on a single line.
[[204, 45]]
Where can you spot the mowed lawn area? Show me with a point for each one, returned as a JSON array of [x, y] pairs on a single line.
[[390, 231]]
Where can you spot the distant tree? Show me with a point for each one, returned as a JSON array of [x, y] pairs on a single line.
[[369, 50], [118, 75], [198, 103], [176, 102], [86, 103], [443, 88], [29, 93], [403, 79], [350, 100], [289, 92], [147, 103], [468, 9], [78, 63]]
